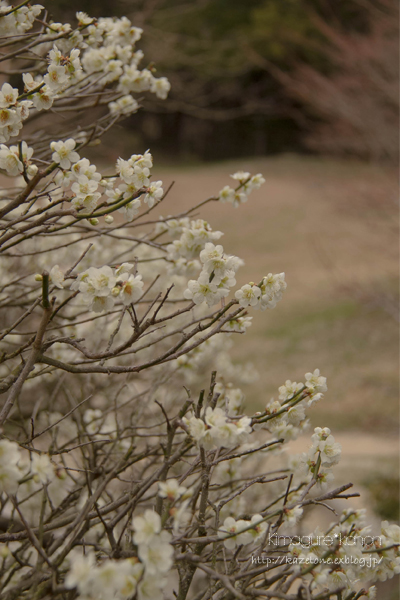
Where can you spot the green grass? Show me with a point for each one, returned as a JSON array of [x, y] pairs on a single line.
[[312, 317], [384, 491]]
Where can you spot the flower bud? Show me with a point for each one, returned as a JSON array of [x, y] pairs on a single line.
[[32, 170], [109, 219], [108, 183], [38, 277], [115, 291], [94, 221], [60, 473]]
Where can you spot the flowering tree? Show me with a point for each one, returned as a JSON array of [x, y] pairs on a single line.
[[122, 473]]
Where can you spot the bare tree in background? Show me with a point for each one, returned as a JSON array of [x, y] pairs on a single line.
[[352, 104]]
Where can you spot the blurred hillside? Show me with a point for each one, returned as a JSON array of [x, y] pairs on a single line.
[[265, 76]]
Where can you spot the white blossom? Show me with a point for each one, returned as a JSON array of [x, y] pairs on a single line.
[[43, 99], [10, 161], [84, 187], [255, 182], [64, 153], [241, 176], [160, 87], [272, 288], [217, 430], [324, 442], [292, 515], [19, 21], [259, 527], [203, 290], [238, 324], [181, 516], [131, 287], [233, 529], [96, 285], [83, 18], [289, 389], [56, 77], [42, 468], [157, 554], [192, 240], [171, 489], [146, 527], [124, 268], [248, 295], [8, 95], [80, 572], [126, 105], [150, 588], [83, 171], [215, 261], [316, 382], [57, 276], [30, 83], [154, 193], [196, 427]]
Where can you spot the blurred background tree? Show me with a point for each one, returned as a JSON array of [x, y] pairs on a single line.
[[266, 76]]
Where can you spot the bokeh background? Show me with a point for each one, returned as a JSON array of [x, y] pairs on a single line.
[[305, 92]]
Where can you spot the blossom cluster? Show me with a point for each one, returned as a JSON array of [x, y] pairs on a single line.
[[19, 20], [121, 579], [99, 288], [111, 579], [193, 248], [323, 454], [17, 159], [192, 238], [178, 498], [39, 91], [135, 175], [267, 294], [96, 53], [25, 476], [12, 112], [246, 184], [215, 429], [230, 398], [84, 180], [241, 532], [111, 43], [286, 417], [216, 277], [155, 553]]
